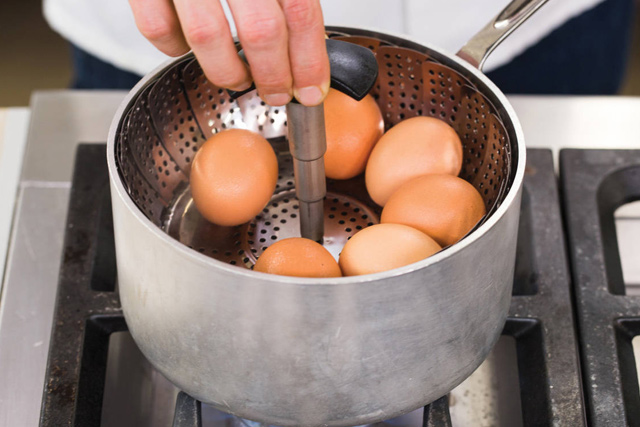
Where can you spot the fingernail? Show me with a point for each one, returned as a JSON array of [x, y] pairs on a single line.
[[242, 86], [277, 99], [310, 95]]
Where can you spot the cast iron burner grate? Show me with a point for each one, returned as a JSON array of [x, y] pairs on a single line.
[[88, 309], [595, 183]]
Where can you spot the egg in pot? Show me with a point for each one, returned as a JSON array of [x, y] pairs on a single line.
[[233, 176], [383, 247], [298, 257], [352, 129], [442, 206], [412, 148]]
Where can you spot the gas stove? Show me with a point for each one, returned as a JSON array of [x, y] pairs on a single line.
[[92, 372], [96, 375], [595, 184]]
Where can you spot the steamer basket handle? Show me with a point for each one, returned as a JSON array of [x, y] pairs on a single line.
[[483, 43]]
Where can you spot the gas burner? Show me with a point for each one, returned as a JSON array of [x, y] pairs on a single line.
[[594, 184], [89, 331]]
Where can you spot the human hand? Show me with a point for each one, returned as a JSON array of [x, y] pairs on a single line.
[[283, 41]]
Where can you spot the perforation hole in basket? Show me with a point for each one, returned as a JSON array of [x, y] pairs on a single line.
[[495, 169], [400, 79], [473, 127], [223, 245], [442, 91], [141, 192], [286, 177], [216, 111], [257, 116], [343, 217], [173, 119], [213, 108], [120, 143], [152, 160]]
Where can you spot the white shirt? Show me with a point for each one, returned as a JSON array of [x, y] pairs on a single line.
[[107, 30]]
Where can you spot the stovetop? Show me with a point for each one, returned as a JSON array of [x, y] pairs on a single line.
[[61, 119], [595, 184], [97, 376]]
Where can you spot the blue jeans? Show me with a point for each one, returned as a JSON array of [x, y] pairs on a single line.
[[90, 72], [586, 55]]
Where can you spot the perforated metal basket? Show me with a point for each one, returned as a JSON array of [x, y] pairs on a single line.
[[174, 114]]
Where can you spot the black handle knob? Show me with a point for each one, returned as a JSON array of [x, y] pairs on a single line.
[[354, 69]]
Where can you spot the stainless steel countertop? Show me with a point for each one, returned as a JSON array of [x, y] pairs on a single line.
[[62, 119], [59, 121]]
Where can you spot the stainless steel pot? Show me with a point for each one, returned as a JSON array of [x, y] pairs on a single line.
[[297, 351]]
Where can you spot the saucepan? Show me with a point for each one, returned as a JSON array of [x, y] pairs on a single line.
[[300, 351]]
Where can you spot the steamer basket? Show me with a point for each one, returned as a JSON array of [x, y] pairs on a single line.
[[172, 116], [299, 351]]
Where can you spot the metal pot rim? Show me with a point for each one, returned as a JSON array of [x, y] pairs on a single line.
[[519, 147]]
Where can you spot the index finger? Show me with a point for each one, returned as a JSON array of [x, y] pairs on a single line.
[[157, 21], [262, 31], [207, 31], [307, 50]]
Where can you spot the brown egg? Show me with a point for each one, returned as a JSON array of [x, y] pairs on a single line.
[[382, 247], [443, 206], [412, 148], [233, 176], [352, 128], [298, 257]]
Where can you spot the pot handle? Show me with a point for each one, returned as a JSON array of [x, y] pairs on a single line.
[[484, 42]]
